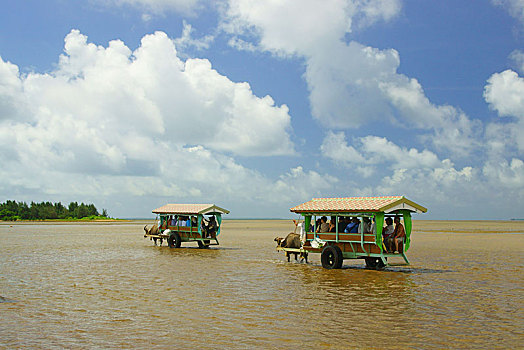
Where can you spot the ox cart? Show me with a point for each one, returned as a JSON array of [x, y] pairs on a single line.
[[178, 223], [366, 241]]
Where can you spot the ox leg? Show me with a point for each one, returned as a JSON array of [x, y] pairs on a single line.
[[296, 256], [288, 256], [154, 240], [161, 240]]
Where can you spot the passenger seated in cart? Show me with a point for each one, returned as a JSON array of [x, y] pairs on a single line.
[[342, 224], [316, 228], [332, 225], [324, 226], [172, 222], [365, 227], [373, 228], [352, 227], [387, 234], [399, 235]]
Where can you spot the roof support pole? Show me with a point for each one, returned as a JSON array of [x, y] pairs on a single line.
[[336, 226], [407, 225], [379, 224], [362, 241], [219, 220], [307, 222]]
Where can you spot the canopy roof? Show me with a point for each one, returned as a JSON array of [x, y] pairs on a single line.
[[189, 209], [385, 204]]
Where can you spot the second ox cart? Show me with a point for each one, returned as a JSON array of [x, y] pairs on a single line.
[[178, 223]]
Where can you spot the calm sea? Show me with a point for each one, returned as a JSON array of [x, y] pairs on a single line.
[[104, 286]]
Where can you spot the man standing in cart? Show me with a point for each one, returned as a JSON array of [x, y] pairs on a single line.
[[211, 226], [399, 235]]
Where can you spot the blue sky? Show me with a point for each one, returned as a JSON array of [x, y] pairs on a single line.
[[258, 106]]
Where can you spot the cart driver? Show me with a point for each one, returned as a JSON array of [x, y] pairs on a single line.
[[211, 226], [164, 223]]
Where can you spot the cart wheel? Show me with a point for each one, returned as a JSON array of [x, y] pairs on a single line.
[[331, 257], [371, 263], [374, 263], [202, 244], [174, 240], [380, 264]]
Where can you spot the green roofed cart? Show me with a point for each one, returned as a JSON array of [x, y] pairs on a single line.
[[338, 245], [178, 223]]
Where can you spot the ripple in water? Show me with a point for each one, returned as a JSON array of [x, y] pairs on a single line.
[[105, 286]]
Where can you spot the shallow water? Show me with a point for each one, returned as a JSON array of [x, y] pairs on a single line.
[[105, 286]]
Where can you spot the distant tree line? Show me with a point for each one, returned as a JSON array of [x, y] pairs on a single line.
[[12, 211]]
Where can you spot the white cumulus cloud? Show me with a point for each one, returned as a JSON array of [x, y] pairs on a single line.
[[187, 39], [12, 103], [517, 57], [151, 91], [373, 150], [506, 174], [350, 84], [110, 120], [514, 7], [505, 93], [391, 169], [187, 7]]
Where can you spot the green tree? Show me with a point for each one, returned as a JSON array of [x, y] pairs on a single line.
[[6, 214], [91, 210], [24, 211], [82, 211], [33, 211], [12, 210], [60, 210]]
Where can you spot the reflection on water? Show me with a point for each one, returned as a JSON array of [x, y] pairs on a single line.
[[104, 286]]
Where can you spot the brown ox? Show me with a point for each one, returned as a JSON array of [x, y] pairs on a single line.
[[153, 230], [292, 240]]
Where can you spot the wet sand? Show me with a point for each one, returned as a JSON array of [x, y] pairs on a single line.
[[466, 226], [102, 285]]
